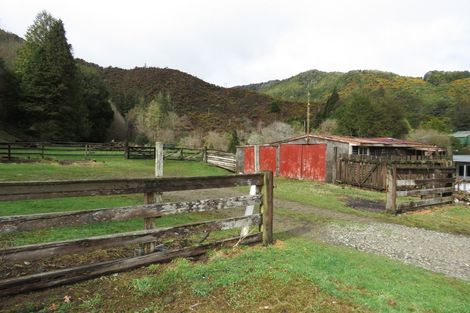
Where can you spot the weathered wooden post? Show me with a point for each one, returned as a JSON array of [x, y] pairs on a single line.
[[256, 156], [154, 197], [391, 204], [9, 152], [204, 154], [267, 208], [335, 165], [278, 160]]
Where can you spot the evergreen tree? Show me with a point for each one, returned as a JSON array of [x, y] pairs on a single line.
[[48, 85], [8, 94], [234, 142], [94, 101]]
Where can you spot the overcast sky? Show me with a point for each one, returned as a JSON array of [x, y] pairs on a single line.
[[239, 42]]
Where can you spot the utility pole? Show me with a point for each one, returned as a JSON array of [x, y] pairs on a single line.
[[308, 116]]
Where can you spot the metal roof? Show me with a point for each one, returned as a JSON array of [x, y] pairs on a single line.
[[377, 142], [461, 158], [465, 133]]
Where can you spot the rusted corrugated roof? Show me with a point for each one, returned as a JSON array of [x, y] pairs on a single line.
[[378, 142]]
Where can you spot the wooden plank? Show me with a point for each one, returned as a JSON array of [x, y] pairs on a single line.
[[416, 182], [403, 207], [426, 168], [46, 220], [57, 189], [84, 272], [424, 192], [54, 249]]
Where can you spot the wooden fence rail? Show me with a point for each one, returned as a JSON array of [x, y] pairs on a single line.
[[263, 198], [222, 159]]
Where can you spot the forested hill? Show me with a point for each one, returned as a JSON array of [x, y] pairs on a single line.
[[207, 106], [439, 97]]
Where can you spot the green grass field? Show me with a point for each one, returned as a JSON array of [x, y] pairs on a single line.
[[294, 275]]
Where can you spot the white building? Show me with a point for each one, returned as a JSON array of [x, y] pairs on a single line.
[[462, 164]]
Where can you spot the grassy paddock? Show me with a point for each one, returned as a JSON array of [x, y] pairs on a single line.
[[295, 275]]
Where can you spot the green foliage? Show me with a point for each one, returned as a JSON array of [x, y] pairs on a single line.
[[274, 107], [362, 116], [431, 136], [47, 72], [461, 114], [97, 113], [234, 142], [8, 94], [436, 123], [440, 77], [443, 95]]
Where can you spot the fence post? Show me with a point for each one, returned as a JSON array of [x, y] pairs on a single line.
[[391, 204], [256, 155], [154, 197], [9, 152], [278, 160], [335, 164], [267, 208], [204, 154]]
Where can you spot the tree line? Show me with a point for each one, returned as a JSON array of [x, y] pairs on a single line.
[[47, 95]]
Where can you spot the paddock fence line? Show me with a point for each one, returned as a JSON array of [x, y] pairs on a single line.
[[261, 223]]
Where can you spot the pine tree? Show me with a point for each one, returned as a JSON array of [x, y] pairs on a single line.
[[48, 81], [234, 142]]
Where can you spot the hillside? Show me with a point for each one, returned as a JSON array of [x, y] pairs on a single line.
[[207, 106], [9, 44], [438, 94]]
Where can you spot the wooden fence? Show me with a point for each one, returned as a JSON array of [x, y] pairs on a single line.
[[261, 194], [433, 184], [222, 159], [139, 152], [10, 151], [371, 171]]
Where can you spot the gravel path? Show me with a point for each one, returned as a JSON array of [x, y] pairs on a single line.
[[438, 252]]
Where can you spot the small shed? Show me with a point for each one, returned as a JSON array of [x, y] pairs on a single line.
[[314, 156], [463, 137]]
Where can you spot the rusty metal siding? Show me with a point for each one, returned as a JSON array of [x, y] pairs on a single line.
[[249, 159], [291, 161], [267, 158], [314, 162]]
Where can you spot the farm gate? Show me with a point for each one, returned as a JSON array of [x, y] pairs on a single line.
[[261, 195], [433, 184]]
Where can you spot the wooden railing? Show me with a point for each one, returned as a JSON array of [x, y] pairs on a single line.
[[261, 184], [433, 184], [222, 159]]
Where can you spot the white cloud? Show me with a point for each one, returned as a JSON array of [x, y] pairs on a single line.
[[239, 42]]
